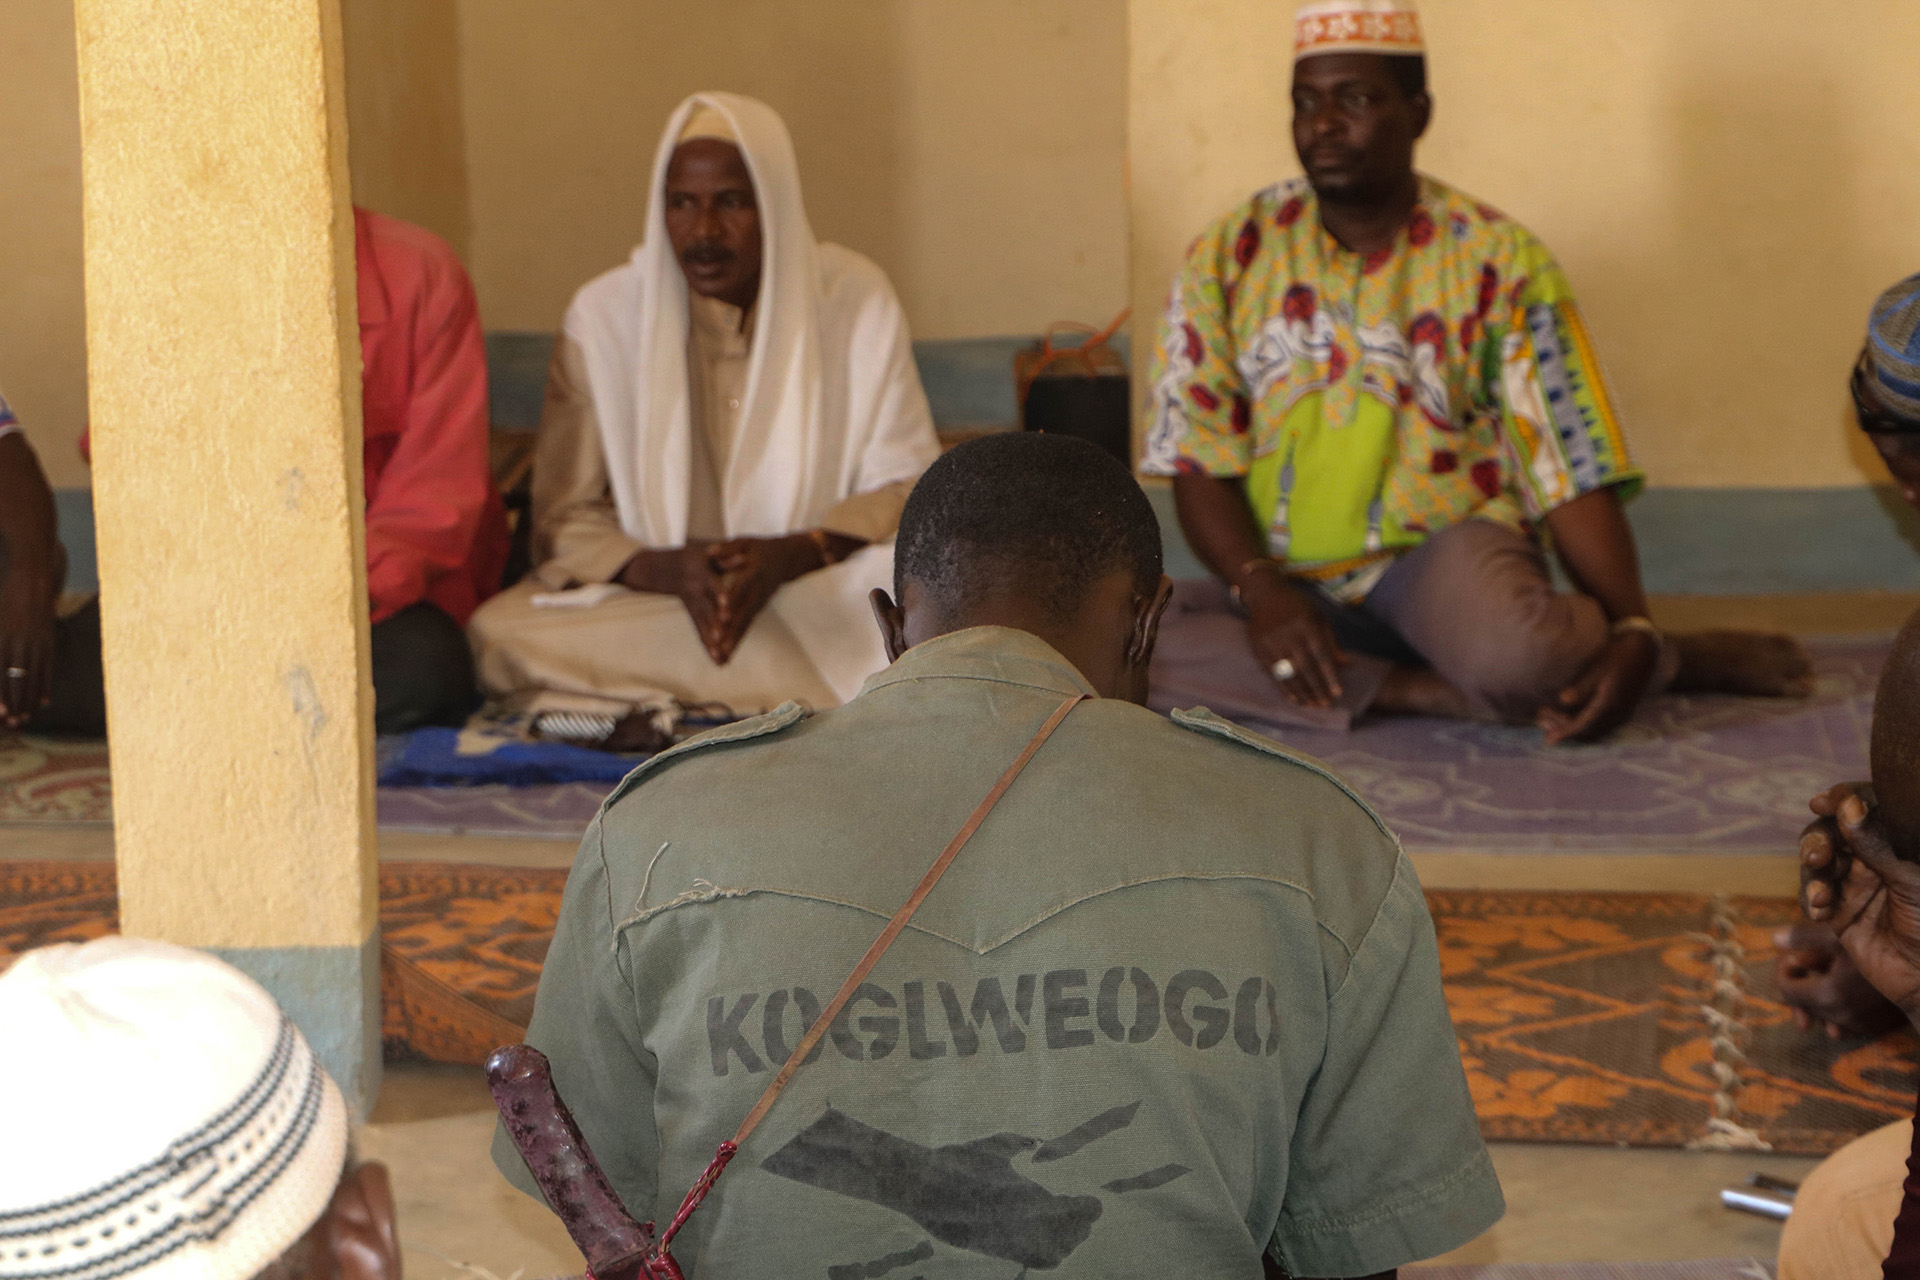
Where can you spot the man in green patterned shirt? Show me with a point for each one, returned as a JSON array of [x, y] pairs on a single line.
[[1373, 393]]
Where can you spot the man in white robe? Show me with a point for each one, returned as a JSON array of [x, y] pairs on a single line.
[[733, 420]]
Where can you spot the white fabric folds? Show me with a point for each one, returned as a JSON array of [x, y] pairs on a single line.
[[834, 405]]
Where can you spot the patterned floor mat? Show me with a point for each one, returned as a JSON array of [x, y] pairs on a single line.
[[1648, 1020], [558, 812], [1609, 1018], [55, 781], [1689, 774]]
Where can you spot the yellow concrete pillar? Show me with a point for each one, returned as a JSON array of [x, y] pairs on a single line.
[[223, 359]]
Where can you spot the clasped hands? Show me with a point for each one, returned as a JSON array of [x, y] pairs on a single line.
[[1864, 900], [724, 585]]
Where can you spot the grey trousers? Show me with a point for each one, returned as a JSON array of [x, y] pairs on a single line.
[[1475, 602]]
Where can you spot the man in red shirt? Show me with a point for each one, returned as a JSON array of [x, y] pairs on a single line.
[[436, 528], [49, 665]]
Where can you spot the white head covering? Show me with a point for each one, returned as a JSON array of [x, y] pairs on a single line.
[[833, 405], [164, 1120], [1356, 26], [770, 475], [708, 123]]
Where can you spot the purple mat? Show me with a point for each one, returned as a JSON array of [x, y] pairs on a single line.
[[558, 812], [1690, 774], [1708, 774]]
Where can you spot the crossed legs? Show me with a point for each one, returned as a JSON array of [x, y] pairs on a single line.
[[1466, 624]]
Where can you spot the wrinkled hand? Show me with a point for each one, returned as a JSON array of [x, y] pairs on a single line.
[[26, 646], [1851, 877], [1818, 980], [1284, 623], [686, 572], [748, 571], [1603, 697]]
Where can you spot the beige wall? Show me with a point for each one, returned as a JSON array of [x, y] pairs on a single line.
[[409, 148], [1727, 182], [409, 159], [974, 148], [43, 354]]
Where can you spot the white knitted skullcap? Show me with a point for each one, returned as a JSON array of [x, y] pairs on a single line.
[[1356, 26], [163, 1120]]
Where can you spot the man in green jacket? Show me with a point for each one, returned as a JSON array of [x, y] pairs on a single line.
[[1176, 1004]]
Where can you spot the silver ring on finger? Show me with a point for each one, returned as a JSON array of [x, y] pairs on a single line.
[[1284, 670], [16, 673]]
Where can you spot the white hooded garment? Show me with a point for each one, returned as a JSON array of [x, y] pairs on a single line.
[[834, 405], [833, 408]]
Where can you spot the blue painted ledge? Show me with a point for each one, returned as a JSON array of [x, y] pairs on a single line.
[[74, 509], [969, 381], [1692, 541], [1752, 541], [1730, 542]]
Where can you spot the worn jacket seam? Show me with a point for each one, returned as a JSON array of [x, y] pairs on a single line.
[[1217, 727], [1400, 869], [1064, 689], [705, 892], [765, 725]]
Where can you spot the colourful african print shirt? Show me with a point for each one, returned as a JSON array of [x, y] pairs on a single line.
[[1373, 400]]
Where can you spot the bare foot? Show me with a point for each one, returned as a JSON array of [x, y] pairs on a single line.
[[1763, 663], [1419, 691]]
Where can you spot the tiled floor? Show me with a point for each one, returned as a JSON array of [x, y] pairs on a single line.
[[458, 1217], [461, 1221]]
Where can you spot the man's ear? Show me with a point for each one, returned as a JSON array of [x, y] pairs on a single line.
[[1422, 114], [1146, 624], [892, 620], [360, 1230]]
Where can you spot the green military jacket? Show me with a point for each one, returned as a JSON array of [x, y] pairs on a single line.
[[1177, 1003]]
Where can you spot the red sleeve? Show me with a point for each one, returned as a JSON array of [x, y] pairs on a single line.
[[1903, 1260], [434, 490]]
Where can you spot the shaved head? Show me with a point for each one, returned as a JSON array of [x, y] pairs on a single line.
[[1040, 533], [1041, 516]]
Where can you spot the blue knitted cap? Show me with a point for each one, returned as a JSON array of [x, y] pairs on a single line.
[[1893, 349]]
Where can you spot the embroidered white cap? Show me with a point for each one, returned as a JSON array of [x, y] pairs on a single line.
[[163, 1118], [1356, 26]]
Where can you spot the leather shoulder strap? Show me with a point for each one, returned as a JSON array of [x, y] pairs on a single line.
[[663, 1262]]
